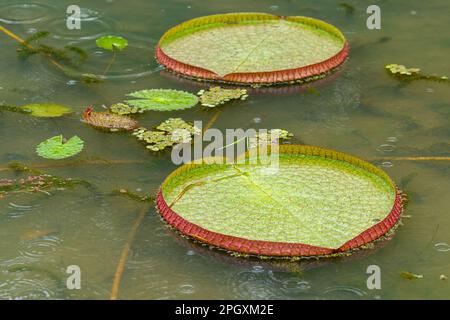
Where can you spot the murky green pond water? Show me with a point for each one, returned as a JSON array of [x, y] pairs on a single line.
[[360, 110]]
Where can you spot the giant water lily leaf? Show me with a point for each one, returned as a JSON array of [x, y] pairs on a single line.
[[249, 44], [56, 148], [47, 110], [162, 99], [111, 43], [312, 196]]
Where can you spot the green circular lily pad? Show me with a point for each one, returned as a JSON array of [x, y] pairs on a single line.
[[57, 148], [162, 99], [317, 201], [111, 42], [252, 48], [46, 110]]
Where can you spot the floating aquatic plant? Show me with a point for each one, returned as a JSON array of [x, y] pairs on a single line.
[[404, 73], [58, 148], [400, 69], [162, 99], [47, 110], [215, 96], [36, 183], [60, 58], [109, 121], [171, 125], [170, 132], [124, 109], [32, 45], [272, 136], [111, 43]]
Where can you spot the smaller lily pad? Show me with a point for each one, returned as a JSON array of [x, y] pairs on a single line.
[[46, 110], [162, 99], [111, 43], [56, 148]]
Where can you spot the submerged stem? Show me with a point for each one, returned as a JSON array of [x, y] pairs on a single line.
[[125, 252], [110, 62]]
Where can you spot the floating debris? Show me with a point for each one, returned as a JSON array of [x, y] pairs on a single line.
[[272, 136], [162, 99], [404, 73], [172, 131], [108, 121], [215, 96], [124, 109], [58, 148], [410, 276]]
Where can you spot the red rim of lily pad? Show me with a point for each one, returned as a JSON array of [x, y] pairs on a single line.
[[284, 249], [291, 75]]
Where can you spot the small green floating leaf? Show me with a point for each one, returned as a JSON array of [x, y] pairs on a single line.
[[162, 99], [46, 110], [410, 276], [111, 43], [56, 148]]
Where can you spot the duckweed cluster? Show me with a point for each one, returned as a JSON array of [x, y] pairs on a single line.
[[404, 73], [170, 132], [269, 137], [215, 96], [400, 69], [124, 109]]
